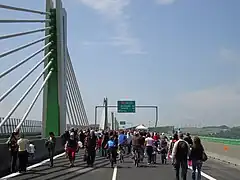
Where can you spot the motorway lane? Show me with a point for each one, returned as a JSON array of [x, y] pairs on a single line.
[[62, 171], [127, 170], [102, 170], [221, 171]]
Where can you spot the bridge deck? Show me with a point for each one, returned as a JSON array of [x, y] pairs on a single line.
[[61, 171]]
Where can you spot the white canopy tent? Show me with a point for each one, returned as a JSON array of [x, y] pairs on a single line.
[[141, 127]]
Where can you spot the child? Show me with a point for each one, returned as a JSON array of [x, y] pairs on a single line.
[[31, 150], [99, 144]]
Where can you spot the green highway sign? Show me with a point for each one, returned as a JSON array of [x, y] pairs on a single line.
[[122, 122], [126, 107]]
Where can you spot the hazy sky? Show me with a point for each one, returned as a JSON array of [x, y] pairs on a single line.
[[182, 55]]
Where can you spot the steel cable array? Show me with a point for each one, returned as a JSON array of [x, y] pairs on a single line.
[[7, 121]]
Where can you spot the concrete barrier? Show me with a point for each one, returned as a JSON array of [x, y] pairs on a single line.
[[40, 154], [224, 152]]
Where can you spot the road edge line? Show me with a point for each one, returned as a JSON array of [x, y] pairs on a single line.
[[32, 166], [204, 174]]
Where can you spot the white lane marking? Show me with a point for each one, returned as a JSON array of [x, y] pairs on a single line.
[[202, 173], [114, 176], [33, 166]]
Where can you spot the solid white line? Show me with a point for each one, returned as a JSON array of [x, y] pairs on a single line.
[[202, 173], [33, 166], [114, 176]]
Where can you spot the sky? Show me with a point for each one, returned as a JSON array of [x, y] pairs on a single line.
[[180, 55]]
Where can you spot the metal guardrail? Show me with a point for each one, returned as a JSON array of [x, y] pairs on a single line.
[[29, 126], [221, 140]]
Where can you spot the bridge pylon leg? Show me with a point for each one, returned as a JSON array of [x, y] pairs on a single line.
[[54, 95]]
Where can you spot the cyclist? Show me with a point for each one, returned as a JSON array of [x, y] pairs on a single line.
[[136, 144], [142, 144], [111, 146], [122, 140]]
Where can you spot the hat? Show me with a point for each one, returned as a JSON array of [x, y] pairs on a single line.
[[72, 134]]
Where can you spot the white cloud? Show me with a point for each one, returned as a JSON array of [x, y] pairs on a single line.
[[165, 2], [216, 97], [114, 10], [217, 105], [111, 8], [229, 55]]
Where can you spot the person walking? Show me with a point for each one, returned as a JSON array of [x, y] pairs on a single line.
[[197, 157], [71, 146], [90, 145], [23, 146], [50, 144], [180, 153], [13, 148], [149, 147]]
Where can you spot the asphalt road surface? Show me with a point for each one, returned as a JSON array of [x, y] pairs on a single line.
[[212, 170]]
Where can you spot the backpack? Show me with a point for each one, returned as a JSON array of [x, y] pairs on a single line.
[[182, 150], [163, 143]]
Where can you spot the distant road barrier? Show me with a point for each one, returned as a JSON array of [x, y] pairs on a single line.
[[226, 150], [221, 140]]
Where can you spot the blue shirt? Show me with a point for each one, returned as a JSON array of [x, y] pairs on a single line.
[[122, 139], [111, 144]]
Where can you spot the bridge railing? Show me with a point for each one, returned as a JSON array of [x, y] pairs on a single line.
[[28, 127]]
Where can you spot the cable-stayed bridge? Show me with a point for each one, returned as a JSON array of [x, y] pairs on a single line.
[[43, 66]]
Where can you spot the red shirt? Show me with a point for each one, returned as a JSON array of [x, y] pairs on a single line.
[[155, 138], [99, 142]]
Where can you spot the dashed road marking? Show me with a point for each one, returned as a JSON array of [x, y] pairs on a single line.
[[114, 176]]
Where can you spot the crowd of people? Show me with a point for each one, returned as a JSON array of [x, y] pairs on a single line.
[[180, 150]]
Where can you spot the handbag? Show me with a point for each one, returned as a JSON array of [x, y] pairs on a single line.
[[204, 156]]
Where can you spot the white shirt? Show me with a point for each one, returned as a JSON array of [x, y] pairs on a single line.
[[149, 141], [129, 138], [23, 144]]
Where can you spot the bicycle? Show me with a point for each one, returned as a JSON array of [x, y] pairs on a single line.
[[111, 159], [136, 157], [121, 154], [112, 156]]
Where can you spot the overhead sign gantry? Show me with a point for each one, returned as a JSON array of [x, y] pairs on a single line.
[[126, 106]]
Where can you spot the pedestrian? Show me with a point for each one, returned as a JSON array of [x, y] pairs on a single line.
[[50, 144], [23, 146], [180, 153]]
